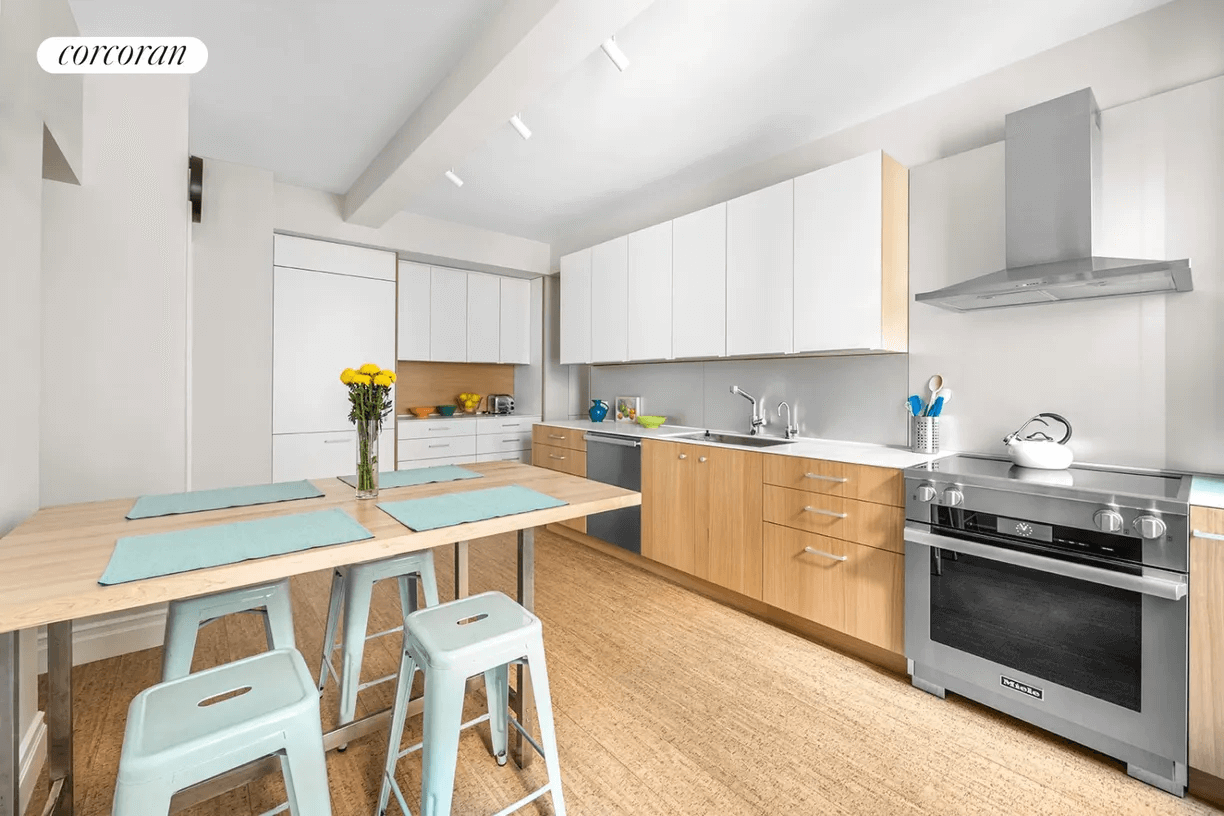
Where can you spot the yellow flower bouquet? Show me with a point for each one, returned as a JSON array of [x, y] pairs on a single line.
[[370, 397]]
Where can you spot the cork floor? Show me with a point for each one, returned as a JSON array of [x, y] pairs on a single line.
[[667, 703]]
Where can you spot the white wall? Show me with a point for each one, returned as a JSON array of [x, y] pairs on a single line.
[[1140, 378], [61, 99], [231, 328], [114, 299], [316, 214]]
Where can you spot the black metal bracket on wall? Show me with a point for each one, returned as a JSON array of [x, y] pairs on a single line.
[[195, 185]]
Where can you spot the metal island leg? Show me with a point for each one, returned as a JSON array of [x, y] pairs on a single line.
[[59, 716], [10, 739], [524, 702]]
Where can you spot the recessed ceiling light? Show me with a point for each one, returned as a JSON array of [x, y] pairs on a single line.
[[518, 125], [614, 53], [455, 180]]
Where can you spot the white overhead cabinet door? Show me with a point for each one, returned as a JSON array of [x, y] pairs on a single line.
[[326, 256], [413, 338], [483, 318], [448, 315], [760, 270], [699, 283], [576, 308], [610, 301], [515, 327], [323, 323], [838, 212], [650, 293]]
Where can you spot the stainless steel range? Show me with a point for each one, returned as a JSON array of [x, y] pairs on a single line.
[[1058, 597]]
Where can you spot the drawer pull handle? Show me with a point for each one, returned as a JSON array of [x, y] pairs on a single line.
[[829, 513], [555, 456], [334, 441], [511, 424], [683, 456], [1209, 536], [437, 429], [841, 480], [701, 458], [824, 554], [554, 436], [443, 445]]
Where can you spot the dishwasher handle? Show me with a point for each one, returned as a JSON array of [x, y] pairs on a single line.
[[612, 440]]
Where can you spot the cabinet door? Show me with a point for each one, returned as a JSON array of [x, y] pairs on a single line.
[[650, 293], [576, 308], [609, 301], [448, 315], [875, 596], [515, 343], [322, 324], [699, 283], [838, 230], [760, 271], [1207, 642], [483, 318], [671, 520], [811, 585], [729, 499], [318, 455], [413, 341], [329, 256]]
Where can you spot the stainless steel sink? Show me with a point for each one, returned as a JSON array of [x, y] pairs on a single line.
[[736, 439]]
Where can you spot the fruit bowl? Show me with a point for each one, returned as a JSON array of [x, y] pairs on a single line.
[[422, 411], [469, 402], [446, 410], [651, 422]]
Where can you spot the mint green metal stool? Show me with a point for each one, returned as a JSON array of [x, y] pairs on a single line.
[[191, 729], [185, 617], [352, 587], [482, 634]]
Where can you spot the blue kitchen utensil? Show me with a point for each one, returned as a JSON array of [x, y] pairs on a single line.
[[936, 408], [915, 403]]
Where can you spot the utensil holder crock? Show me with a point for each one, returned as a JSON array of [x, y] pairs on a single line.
[[924, 434]]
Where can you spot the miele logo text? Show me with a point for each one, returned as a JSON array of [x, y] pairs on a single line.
[[1023, 688], [122, 55]]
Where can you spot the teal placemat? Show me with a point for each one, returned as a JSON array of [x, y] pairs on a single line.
[[419, 476], [169, 504], [148, 556], [433, 512]]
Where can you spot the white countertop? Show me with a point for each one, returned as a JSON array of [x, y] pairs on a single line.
[[460, 415], [857, 453], [1207, 491]]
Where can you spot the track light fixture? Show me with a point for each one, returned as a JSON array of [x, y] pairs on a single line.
[[518, 125], [614, 53], [455, 180]]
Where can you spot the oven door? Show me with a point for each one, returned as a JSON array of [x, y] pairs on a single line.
[[1097, 655]]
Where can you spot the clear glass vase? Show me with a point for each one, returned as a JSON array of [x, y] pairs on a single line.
[[367, 458]]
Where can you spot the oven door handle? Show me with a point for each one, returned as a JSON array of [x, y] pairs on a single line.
[[1170, 589]]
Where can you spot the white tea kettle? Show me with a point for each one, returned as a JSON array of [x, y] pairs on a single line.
[[1038, 449]]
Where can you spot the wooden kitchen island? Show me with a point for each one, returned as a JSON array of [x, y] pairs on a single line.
[[50, 565]]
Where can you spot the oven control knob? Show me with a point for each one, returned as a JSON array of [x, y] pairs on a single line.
[[953, 497], [1107, 521], [926, 493], [1149, 527]]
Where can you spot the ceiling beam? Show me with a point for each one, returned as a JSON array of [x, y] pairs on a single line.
[[528, 47]]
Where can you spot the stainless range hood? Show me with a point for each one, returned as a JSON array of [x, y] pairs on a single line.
[[1053, 184]]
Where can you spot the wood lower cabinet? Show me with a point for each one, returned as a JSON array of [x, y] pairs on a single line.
[[701, 512], [876, 525], [875, 597], [564, 460], [1207, 642]]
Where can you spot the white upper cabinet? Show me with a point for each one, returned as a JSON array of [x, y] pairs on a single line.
[[483, 318], [327, 256], [515, 345], [760, 271], [610, 301], [413, 341], [448, 327], [576, 308], [650, 293], [699, 283]]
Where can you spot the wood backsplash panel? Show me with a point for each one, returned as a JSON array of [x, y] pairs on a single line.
[[441, 383]]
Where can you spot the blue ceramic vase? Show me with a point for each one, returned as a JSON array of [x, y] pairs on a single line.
[[598, 410]]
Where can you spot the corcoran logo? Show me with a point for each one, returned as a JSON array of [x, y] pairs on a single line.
[[1023, 688], [122, 55]]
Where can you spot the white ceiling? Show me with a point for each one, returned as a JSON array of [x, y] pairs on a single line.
[[314, 89], [311, 89]]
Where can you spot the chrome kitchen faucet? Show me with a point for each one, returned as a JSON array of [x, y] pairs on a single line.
[[758, 419]]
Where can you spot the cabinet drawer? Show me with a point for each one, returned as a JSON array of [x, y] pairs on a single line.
[[558, 437], [523, 456], [313, 455], [505, 424], [563, 459], [501, 442], [806, 584], [427, 428], [437, 448], [876, 525], [409, 464], [873, 484]]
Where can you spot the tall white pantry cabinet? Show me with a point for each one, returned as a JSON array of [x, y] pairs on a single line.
[[333, 307]]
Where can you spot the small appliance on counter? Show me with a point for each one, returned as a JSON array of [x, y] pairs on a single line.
[[501, 404]]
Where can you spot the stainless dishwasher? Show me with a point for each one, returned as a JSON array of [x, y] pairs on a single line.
[[616, 460]]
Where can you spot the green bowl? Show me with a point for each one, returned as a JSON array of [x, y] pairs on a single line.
[[446, 410], [651, 422]]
